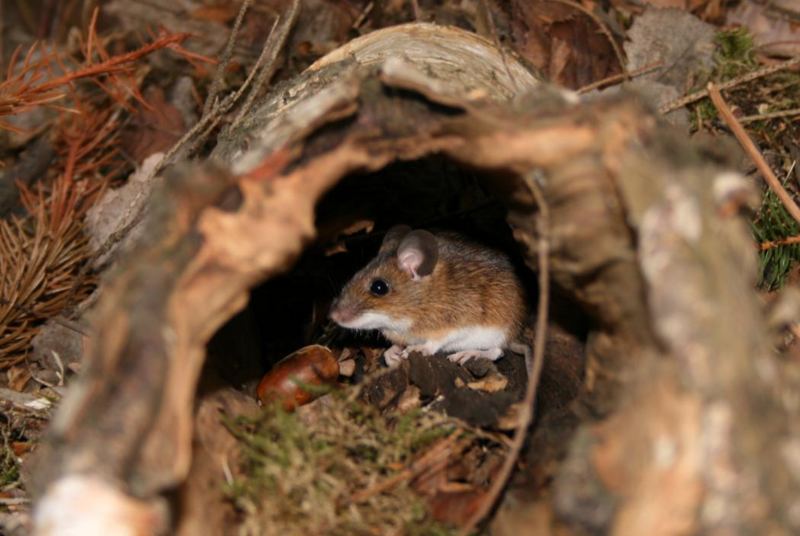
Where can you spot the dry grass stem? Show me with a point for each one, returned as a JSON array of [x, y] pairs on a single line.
[[739, 80]]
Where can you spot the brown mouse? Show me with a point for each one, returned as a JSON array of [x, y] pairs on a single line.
[[435, 293]]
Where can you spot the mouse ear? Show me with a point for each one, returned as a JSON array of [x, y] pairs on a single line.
[[417, 253], [393, 237]]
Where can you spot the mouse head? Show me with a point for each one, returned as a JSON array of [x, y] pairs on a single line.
[[386, 292]]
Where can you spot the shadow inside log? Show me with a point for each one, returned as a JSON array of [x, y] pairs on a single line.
[[290, 310]]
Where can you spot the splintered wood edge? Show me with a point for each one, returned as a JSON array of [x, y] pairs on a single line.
[[447, 65], [443, 48]]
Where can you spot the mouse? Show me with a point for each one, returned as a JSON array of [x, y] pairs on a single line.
[[435, 293]]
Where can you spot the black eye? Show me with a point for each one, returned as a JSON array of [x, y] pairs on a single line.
[[379, 287]]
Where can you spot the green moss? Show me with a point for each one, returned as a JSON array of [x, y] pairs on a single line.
[[9, 470], [734, 57], [301, 476], [773, 222], [735, 54], [9, 466]]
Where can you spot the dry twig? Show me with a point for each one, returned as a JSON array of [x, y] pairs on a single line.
[[620, 77], [771, 115], [788, 241], [435, 454], [749, 77], [275, 43], [752, 151], [225, 60]]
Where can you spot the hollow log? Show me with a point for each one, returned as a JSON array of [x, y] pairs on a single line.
[[683, 425]]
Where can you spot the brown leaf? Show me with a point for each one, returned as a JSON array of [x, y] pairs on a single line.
[[18, 377], [562, 41], [777, 34], [455, 508], [21, 447], [204, 508], [156, 127], [490, 384], [677, 4], [215, 13]]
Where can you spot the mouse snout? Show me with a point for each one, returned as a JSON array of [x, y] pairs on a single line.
[[341, 313]]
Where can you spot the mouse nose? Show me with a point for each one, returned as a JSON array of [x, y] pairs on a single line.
[[334, 313], [340, 314]]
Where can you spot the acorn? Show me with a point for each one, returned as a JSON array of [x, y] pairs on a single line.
[[311, 367]]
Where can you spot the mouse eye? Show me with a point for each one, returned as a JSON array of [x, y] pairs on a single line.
[[379, 287]]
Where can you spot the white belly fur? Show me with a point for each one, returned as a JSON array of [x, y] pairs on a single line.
[[474, 338]]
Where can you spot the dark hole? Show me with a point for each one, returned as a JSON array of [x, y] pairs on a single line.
[[290, 311]]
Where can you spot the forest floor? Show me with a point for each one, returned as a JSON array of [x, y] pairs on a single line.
[[95, 92]]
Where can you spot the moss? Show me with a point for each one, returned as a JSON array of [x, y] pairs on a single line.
[[9, 470], [301, 476], [773, 222], [735, 54], [9, 464], [734, 57]]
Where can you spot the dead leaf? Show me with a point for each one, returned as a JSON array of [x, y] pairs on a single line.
[[18, 377], [562, 41], [457, 507], [118, 208], [204, 508], [776, 34], [510, 419], [677, 4], [347, 367], [410, 399], [490, 384], [680, 41], [155, 128], [21, 447], [222, 14]]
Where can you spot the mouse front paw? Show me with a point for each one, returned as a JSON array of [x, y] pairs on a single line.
[[464, 356], [394, 355]]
